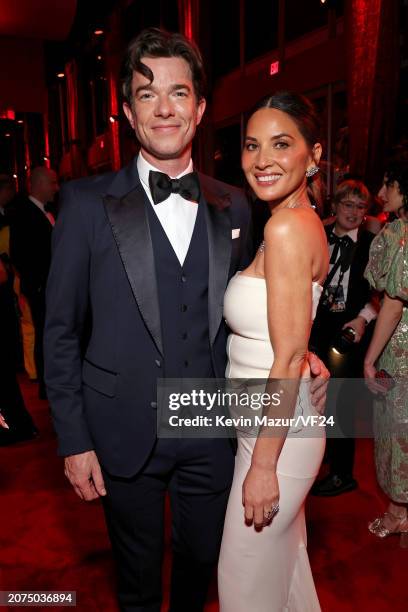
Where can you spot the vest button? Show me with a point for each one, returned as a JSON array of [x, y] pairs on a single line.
[[186, 364], [183, 278], [158, 363], [184, 336], [183, 307], [153, 404]]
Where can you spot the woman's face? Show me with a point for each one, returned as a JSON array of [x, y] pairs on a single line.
[[276, 156], [350, 213], [391, 196]]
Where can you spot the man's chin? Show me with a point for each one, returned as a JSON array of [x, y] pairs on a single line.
[[167, 154]]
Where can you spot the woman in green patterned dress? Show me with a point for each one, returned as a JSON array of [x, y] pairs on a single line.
[[387, 271]]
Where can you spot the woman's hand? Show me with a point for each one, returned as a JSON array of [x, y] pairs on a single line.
[[370, 380], [260, 495], [3, 422]]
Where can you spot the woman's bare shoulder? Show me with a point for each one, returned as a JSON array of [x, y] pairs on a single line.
[[292, 222]]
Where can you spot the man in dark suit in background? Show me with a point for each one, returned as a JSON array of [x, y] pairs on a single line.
[[30, 251], [150, 256]]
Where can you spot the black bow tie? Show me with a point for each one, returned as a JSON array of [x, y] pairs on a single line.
[[161, 186], [341, 243]]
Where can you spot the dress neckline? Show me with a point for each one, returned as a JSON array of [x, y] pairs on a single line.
[[262, 278]]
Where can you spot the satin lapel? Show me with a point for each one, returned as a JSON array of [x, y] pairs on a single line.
[[219, 254], [131, 231]]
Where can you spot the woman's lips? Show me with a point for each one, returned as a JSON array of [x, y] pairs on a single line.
[[267, 179]]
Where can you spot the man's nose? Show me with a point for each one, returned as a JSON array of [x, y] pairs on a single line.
[[164, 106]]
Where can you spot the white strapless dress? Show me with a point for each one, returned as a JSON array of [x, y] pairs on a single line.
[[268, 570]]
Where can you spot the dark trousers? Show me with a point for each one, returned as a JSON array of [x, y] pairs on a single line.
[[347, 398], [198, 474], [340, 449]]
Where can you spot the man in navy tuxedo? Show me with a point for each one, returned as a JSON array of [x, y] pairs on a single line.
[[147, 258]]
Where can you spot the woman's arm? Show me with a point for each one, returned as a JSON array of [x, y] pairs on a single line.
[[387, 320], [288, 274]]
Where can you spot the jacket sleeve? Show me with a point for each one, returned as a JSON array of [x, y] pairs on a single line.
[[67, 304], [247, 252]]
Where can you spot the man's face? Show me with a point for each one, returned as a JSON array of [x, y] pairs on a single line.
[[164, 113], [48, 186]]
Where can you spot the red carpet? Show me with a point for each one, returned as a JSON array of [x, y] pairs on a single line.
[[51, 540]]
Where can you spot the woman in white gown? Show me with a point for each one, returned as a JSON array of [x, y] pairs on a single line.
[[269, 307]]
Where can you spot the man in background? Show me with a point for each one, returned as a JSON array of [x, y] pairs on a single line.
[[30, 250]]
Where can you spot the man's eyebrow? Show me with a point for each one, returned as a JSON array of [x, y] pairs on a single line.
[[150, 87], [181, 86]]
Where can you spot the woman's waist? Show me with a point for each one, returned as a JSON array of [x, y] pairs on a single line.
[[250, 353]]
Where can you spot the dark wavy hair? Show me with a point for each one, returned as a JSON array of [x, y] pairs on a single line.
[[155, 42], [304, 114], [299, 108], [397, 170]]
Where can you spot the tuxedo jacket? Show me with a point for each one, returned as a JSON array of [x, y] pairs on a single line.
[[103, 270], [30, 246]]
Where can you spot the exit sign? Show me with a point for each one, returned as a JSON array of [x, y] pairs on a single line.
[[274, 68]]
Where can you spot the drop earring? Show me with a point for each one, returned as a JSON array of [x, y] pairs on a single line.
[[312, 171]]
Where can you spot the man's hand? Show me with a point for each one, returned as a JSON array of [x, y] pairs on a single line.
[[84, 473], [359, 325], [320, 380]]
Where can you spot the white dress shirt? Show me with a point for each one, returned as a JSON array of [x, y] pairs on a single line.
[[40, 205], [368, 312], [176, 215]]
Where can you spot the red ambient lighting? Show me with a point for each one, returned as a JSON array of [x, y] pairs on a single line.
[[8, 114], [274, 68]]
